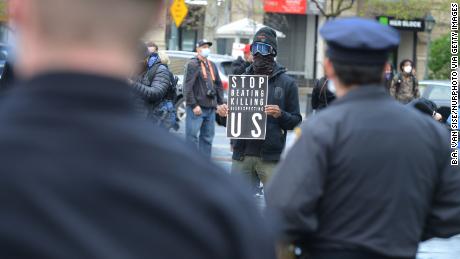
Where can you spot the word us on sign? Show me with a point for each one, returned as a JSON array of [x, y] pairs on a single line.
[[247, 97]]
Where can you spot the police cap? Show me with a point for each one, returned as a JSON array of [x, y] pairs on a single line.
[[357, 40]]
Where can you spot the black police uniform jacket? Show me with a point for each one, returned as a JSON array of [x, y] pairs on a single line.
[[282, 91], [367, 173], [83, 177]]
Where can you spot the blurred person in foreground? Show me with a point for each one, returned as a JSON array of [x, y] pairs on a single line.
[[82, 175], [369, 177]]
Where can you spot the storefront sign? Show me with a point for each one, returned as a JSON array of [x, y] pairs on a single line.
[[247, 97], [286, 6], [411, 25]]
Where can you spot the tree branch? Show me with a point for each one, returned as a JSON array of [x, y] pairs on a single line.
[[319, 7], [340, 11]]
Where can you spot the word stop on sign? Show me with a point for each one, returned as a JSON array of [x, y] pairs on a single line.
[[247, 97]]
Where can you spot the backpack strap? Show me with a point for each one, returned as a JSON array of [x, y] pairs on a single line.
[[151, 72], [398, 82], [323, 90], [413, 84]]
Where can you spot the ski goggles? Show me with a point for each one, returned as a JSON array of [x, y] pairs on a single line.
[[262, 48]]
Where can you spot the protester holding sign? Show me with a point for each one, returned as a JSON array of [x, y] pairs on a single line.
[[255, 156]]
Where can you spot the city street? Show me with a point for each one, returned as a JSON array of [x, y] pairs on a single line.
[[433, 249]]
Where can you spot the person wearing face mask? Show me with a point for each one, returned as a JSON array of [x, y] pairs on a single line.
[[203, 94], [404, 86], [388, 76], [256, 159], [152, 84]]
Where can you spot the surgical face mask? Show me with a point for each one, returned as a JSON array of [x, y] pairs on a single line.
[[205, 52], [408, 69], [331, 86]]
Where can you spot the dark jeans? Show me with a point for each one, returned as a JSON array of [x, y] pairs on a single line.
[[204, 125]]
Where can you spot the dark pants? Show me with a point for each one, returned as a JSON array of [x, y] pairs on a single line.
[[253, 168], [204, 125], [348, 255]]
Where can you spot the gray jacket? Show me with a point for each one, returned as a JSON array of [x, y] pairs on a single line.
[[367, 173]]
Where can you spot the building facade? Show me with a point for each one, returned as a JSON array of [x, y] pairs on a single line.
[[302, 49]]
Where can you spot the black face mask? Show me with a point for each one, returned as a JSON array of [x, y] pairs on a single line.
[[263, 65]]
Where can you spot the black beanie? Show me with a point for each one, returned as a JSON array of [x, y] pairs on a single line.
[[268, 36]]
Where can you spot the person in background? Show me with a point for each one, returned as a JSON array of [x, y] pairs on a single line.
[[166, 111], [388, 76], [368, 178], [240, 65], [152, 83], [404, 86], [82, 176], [203, 93], [323, 94]]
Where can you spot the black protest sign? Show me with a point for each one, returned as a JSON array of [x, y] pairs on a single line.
[[247, 97]]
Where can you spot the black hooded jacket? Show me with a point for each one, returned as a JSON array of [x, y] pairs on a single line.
[[282, 91]]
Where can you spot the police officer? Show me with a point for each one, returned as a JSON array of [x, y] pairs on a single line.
[[369, 177]]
